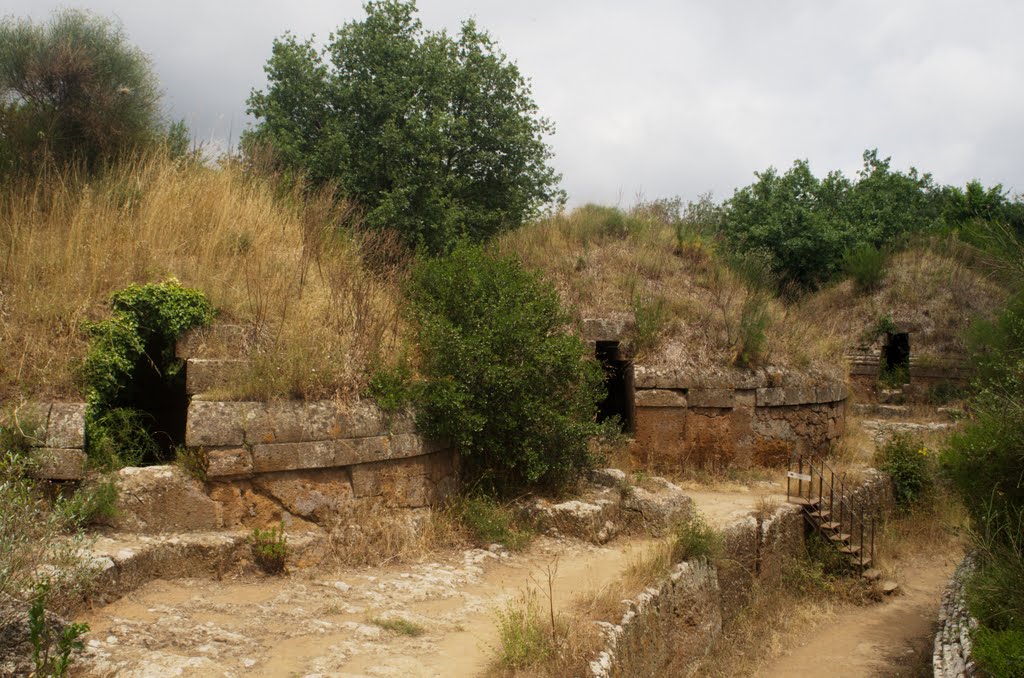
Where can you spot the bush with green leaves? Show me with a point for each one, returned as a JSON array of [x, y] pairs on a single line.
[[73, 90], [506, 381], [146, 324], [270, 549], [910, 465], [865, 265], [436, 136], [810, 229], [694, 538]]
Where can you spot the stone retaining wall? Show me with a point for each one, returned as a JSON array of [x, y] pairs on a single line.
[[56, 432], [678, 620], [952, 654], [678, 426]]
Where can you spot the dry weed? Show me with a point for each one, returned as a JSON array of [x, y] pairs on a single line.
[[370, 534], [287, 264]]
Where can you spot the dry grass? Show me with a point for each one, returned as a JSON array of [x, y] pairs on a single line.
[[373, 535], [609, 269], [269, 258], [608, 603], [935, 289]]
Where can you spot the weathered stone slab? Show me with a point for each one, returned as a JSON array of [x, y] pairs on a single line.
[[320, 454], [293, 421], [415, 482], [30, 418], [745, 397], [656, 397], [313, 495], [711, 397], [794, 395], [233, 461], [207, 374], [158, 499], [58, 464], [66, 428], [605, 329], [220, 424], [771, 397]]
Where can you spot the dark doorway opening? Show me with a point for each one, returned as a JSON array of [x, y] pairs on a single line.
[[896, 352], [157, 393], [618, 380], [894, 365]]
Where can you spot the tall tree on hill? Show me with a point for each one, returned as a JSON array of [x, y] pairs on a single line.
[[436, 136], [73, 90]]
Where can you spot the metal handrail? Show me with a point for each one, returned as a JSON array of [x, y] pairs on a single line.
[[857, 523]]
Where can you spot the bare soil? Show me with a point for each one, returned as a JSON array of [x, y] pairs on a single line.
[[317, 623], [891, 638]]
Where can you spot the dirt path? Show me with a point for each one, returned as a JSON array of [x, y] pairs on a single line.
[[323, 624], [876, 640], [722, 508]]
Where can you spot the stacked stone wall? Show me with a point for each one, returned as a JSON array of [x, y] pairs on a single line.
[[951, 657], [56, 434], [712, 428]]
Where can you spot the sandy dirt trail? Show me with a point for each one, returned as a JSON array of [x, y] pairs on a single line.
[[322, 623], [876, 640]]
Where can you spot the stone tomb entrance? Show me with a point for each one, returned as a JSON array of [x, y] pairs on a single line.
[[896, 351], [618, 379]]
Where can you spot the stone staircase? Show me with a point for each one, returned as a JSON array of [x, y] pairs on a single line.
[[814, 485]]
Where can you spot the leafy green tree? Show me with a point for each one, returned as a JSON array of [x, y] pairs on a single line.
[[885, 205], [73, 89], [436, 136], [506, 382], [793, 219]]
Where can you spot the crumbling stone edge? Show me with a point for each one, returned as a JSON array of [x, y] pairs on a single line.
[[951, 657]]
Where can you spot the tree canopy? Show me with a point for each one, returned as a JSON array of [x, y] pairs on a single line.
[[436, 136], [73, 89]]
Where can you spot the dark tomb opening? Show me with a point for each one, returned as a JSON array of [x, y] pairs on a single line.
[[618, 380], [157, 391], [894, 367]]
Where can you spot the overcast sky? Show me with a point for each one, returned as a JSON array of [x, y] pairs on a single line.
[[663, 97]]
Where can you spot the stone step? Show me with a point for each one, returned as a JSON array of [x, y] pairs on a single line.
[[871, 574], [889, 587]]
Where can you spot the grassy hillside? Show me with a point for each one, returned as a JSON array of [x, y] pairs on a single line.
[[694, 312], [267, 257]]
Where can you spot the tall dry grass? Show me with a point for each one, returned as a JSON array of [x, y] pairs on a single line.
[[285, 262], [611, 264]]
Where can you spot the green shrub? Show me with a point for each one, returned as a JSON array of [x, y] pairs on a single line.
[[909, 464], [120, 437], [392, 388], [893, 376], [865, 264], [270, 549], [999, 654], [491, 522], [505, 381], [694, 538]]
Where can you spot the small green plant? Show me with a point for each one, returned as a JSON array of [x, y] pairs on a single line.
[[754, 320], [270, 549], [909, 463], [694, 538], [93, 503], [650, 317], [866, 266], [119, 437], [490, 522], [893, 376], [193, 461], [884, 324], [393, 388], [525, 640], [402, 627], [51, 657]]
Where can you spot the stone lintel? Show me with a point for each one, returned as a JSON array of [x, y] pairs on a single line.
[[656, 397], [711, 397]]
